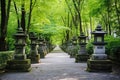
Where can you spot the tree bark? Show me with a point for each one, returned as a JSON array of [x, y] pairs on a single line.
[[117, 13], [18, 21], [77, 7], [108, 14], [30, 14], [4, 23], [23, 17], [90, 26]]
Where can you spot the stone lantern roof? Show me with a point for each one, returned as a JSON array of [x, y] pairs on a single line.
[[32, 36], [82, 36], [20, 33], [74, 38], [99, 35], [82, 39], [99, 31]]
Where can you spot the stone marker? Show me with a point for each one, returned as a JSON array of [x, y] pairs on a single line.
[[34, 56], [82, 55], [41, 48], [73, 49], [20, 62], [98, 60]]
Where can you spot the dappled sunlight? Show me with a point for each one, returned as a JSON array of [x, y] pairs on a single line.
[[52, 40]]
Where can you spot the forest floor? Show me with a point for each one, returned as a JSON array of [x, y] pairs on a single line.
[[57, 65]]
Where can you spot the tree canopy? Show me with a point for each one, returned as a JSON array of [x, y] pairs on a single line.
[[59, 19]]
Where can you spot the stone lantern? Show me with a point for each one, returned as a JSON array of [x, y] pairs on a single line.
[[45, 47], [41, 48], [34, 56], [98, 60], [82, 55], [73, 50], [74, 41], [20, 62]]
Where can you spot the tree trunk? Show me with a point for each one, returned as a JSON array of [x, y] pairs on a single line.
[[117, 13], [78, 9], [3, 26], [18, 21], [29, 17], [90, 26], [108, 14], [23, 17]]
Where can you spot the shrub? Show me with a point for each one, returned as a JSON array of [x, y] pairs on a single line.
[[4, 57], [10, 43], [89, 47], [112, 47]]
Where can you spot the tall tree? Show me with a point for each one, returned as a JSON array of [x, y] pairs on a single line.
[[78, 8], [5, 10], [23, 16], [32, 4]]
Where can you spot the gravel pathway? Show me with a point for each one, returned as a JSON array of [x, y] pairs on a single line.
[[58, 66]]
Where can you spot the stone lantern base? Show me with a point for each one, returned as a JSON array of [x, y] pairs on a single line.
[[99, 65], [81, 58], [42, 55], [35, 58], [19, 65]]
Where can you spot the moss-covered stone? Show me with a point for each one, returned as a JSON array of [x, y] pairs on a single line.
[[35, 58], [42, 55], [116, 67], [19, 65], [81, 58], [99, 65]]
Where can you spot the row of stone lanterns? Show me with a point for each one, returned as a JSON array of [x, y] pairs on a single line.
[[34, 56], [98, 60], [82, 55], [41, 48], [20, 61]]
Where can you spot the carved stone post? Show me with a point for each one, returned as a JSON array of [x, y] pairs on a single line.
[[82, 55], [98, 60], [19, 63], [34, 56]]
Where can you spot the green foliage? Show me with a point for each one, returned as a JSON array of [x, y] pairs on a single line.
[[10, 43], [19, 65], [4, 57], [113, 47], [89, 47]]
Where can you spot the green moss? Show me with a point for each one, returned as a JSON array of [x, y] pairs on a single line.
[[35, 58], [4, 57], [19, 65], [81, 58], [99, 65]]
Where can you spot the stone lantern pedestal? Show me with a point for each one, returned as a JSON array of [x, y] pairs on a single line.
[[98, 60], [82, 55], [73, 48], [45, 47], [41, 48], [34, 56], [20, 62]]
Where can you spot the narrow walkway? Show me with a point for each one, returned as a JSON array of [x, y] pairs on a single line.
[[58, 66]]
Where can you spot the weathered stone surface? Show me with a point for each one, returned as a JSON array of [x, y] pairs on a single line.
[[116, 67], [99, 65], [99, 57], [81, 58], [19, 65], [35, 58]]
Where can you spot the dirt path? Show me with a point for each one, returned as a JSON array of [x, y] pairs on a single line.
[[58, 66]]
